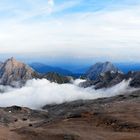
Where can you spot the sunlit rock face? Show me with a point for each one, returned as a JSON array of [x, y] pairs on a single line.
[[13, 72]]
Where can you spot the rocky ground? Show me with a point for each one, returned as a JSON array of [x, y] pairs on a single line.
[[116, 118]]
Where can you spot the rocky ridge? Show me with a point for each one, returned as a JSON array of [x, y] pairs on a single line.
[[111, 78], [99, 68]]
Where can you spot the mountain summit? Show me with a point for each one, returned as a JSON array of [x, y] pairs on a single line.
[[99, 68], [13, 72]]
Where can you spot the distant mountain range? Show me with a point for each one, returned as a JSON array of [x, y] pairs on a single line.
[[100, 75], [75, 71], [42, 68]]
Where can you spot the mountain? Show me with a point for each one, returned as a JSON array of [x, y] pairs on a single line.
[[1, 63], [57, 78], [99, 68], [42, 68], [109, 79], [13, 72]]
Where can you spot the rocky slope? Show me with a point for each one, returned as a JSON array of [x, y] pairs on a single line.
[[99, 68], [115, 118]]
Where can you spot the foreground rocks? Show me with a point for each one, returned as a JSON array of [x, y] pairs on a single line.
[[115, 118]]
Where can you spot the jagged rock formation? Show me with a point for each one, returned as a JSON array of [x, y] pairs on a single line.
[[105, 80], [99, 68], [109, 79], [14, 73]]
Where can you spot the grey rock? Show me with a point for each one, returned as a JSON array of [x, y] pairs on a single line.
[[57, 78], [108, 79], [15, 73], [99, 68]]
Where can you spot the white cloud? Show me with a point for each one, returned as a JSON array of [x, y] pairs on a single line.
[[112, 34], [37, 93], [51, 2]]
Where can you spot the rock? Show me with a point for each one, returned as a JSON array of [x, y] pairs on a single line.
[[15, 73], [99, 68], [108, 79], [57, 78], [135, 79]]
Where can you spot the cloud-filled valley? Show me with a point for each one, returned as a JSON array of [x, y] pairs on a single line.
[[37, 93]]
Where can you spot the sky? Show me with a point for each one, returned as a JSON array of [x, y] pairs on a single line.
[[82, 30]]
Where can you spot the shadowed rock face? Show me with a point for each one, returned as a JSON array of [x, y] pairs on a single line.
[[96, 70], [105, 80], [13, 72], [109, 79], [1, 64]]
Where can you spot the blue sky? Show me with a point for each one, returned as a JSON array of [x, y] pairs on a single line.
[[71, 29]]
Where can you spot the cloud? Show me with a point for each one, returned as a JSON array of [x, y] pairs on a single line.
[[66, 31], [51, 5], [37, 93], [51, 2]]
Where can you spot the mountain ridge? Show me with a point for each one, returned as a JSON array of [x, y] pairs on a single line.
[[43, 68], [99, 68]]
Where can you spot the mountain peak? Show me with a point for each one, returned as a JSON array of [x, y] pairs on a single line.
[[13, 71], [100, 68]]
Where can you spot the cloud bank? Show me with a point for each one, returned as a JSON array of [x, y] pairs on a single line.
[[37, 93]]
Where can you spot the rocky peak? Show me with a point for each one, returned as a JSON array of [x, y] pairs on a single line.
[[99, 68], [13, 72]]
